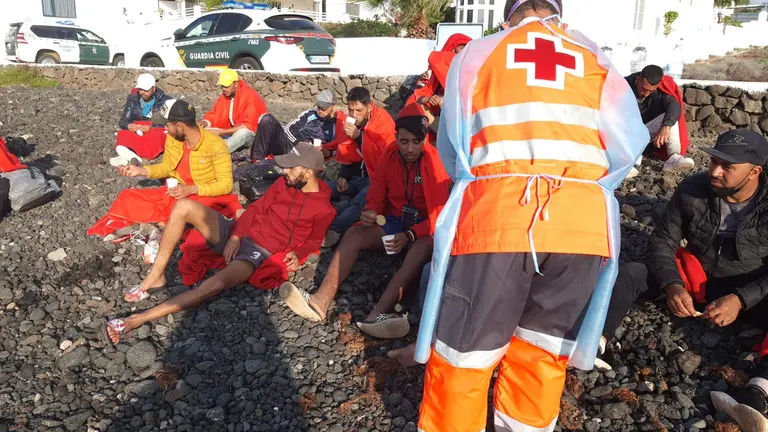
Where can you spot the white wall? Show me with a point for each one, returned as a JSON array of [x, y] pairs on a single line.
[[382, 56]]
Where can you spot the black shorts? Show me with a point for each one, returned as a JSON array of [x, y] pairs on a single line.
[[249, 251]]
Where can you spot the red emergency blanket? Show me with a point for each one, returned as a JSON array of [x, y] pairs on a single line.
[[149, 145]]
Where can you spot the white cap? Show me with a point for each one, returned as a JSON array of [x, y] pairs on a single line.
[[145, 81]]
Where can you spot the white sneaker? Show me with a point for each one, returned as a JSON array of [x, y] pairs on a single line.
[[117, 161], [678, 163], [126, 153], [634, 172]]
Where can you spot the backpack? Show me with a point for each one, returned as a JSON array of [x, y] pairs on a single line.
[[5, 188], [29, 189], [255, 179], [19, 147]]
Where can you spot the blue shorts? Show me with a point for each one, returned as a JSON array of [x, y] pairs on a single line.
[[394, 224]]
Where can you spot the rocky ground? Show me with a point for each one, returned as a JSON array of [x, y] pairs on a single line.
[[242, 362]]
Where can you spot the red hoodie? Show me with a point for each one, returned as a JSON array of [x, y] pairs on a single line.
[[248, 109], [439, 63], [670, 87], [8, 162], [378, 134], [288, 220], [387, 192]]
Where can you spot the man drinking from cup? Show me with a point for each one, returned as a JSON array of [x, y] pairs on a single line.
[[407, 191]]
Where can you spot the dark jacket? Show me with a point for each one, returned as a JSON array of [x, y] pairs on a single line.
[[693, 214], [656, 104], [132, 108], [309, 126]]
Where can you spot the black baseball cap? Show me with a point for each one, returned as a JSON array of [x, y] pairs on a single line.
[[303, 155], [740, 146], [175, 110]]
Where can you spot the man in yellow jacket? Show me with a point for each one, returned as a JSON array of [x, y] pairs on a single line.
[[197, 158]]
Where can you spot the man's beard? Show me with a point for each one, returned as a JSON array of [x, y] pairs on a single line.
[[298, 184], [724, 192], [179, 136]]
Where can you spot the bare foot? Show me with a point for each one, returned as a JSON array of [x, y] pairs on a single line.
[[151, 284], [404, 356], [318, 305]]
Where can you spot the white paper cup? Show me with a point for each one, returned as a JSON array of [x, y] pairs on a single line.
[[385, 239], [317, 142], [139, 132], [351, 120], [171, 183]]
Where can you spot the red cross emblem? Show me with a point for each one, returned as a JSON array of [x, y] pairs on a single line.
[[546, 60]]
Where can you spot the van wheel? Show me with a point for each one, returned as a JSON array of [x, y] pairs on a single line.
[[49, 59], [248, 63], [119, 61], [152, 62]]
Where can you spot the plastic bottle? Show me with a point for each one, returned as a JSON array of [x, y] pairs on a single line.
[[639, 56], [675, 62]]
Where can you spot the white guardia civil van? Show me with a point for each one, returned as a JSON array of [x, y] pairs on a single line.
[[51, 44]]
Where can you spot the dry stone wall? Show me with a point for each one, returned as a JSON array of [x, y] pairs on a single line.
[[715, 109], [710, 110], [386, 91]]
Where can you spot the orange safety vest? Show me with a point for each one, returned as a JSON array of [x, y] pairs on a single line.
[[535, 113]]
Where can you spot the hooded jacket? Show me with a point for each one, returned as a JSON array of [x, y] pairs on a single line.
[[693, 214], [287, 220], [656, 104], [248, 109], [309, 126], [387, 194], [376, 136], [439, 63], [132, 108]]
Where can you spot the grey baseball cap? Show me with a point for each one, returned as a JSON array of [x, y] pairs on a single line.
[[326, 99], [303, 155]]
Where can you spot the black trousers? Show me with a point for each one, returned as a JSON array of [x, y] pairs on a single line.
[[270, 139], [634, 281]]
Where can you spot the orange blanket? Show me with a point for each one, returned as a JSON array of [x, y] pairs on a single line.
[[693, 275], [8, 162], [152, 206], [670, 87], [149, 146]]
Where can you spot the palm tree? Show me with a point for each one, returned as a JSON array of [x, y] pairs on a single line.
[[414, 15]]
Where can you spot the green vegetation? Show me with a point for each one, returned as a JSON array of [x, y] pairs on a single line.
[[669, 18], [361, 28], [24, 76], [419, 17], [721, 4], [729, 21]]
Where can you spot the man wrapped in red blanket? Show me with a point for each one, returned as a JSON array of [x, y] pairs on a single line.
[[139, 137], [195, 160], [273, 236]]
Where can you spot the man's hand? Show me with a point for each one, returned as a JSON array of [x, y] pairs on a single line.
[[398, 243], [680, 301], [326, 153], [216, 131], [145, 128], [291, 261], [342, 185], [436, 101], [368, 218], [183, 191], [723, 311], [663, 137], [133, 127], [351, 130], [204, 124], [231, 248], [132, 171]]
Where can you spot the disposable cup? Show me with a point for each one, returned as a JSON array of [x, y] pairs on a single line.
[[385, 239], [317, 142], [351, 120], [139, 132], [171, 183]]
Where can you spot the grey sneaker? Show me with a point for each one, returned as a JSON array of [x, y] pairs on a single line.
[[331, 239], [386, 326]]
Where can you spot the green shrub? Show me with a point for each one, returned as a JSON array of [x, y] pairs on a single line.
[[24, 76], [730, 21], [361, 28], [669, 18]]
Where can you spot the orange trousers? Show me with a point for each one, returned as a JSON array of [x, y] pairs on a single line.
[[497, 312]]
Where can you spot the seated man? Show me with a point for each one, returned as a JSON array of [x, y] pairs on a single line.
[[139, 137], [236, 114], [661, 106], [196, 160], [319, 123], [408, 190], [721, 274], [361, 137], [269, 226]]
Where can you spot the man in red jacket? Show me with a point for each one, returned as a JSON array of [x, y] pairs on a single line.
[[408, 189], [236, 114], [361, 139], [291, 218]]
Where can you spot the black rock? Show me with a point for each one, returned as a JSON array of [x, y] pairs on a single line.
[[616, 411], [688, 362], [141, 355], [75, 422]]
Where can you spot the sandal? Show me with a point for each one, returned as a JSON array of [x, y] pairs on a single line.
[[118, 326], [386, 326], [298, 300], [135, 294]]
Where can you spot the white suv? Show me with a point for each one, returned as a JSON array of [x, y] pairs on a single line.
[[55, 44]]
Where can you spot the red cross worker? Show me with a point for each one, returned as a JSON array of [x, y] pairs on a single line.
[[529, 134]]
